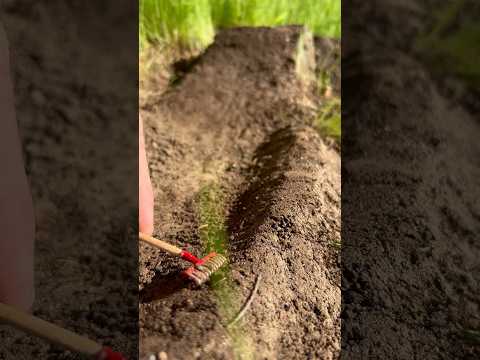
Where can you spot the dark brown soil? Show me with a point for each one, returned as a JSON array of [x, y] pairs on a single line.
[[240, 118], [410, 215], [66, 94]]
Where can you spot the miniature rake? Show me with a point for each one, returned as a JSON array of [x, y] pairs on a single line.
[[202, 268]]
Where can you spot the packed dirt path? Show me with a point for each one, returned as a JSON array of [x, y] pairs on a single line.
[[240, 119]]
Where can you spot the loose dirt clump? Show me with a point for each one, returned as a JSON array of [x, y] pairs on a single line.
[[240, 119]]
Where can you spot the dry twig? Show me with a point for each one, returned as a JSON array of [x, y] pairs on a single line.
[[245, 307]]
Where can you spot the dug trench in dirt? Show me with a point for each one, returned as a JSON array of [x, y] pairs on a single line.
[[410, 215], [238, 127]]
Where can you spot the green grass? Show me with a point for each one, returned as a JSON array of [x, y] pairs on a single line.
[[210, 210], [336, 244], [186, 22], [329, 119], [214, 237], [192, 23]]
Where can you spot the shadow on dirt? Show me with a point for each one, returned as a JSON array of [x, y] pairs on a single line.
[[182, 67], [267, 159], [162, 286]]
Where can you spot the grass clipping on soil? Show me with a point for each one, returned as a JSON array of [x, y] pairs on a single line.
[[214, 237]]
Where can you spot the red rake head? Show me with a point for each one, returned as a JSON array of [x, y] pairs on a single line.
[[109, 354], [203, 269]]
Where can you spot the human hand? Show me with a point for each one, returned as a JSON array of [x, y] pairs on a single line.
[[17, 223], [145, 196]]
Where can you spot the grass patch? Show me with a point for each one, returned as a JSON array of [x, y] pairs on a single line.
[[186, 22], [192, 23], [213, 233], [336, 244], [212, 220], [329, 119], [451, 47]]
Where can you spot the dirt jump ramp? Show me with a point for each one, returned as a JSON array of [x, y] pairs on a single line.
[[239, 118]]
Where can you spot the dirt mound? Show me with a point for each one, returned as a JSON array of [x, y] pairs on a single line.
[[239, 119], [286, 226]]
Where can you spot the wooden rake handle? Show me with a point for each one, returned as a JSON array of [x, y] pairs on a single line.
[[160, 244], [48, 331]]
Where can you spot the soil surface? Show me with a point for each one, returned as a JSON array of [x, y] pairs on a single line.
[[67, 73], [410, 209], [240, 118]]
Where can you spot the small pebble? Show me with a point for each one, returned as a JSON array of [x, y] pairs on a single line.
[[188, 303]]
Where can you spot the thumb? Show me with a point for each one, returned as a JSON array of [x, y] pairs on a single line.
[[145, 195]]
